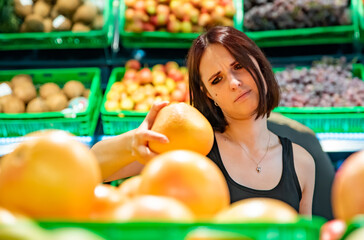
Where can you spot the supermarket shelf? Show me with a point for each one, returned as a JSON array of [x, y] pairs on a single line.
[[330, 142]]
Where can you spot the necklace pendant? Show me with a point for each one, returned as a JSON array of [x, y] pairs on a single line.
[[259, 169]]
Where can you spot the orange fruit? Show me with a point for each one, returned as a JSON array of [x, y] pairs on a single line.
[[51, 175], [347, 198], [185, 127], [153, 208], [188, 177], [130, 187], [107, 199], [258, 210]]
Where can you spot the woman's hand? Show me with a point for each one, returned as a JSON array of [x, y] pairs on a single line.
[[143, 134]]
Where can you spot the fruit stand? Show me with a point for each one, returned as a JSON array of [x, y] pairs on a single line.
[[108, 61]]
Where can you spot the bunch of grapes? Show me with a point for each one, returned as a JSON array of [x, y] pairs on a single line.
[[328, 83], [263, 15]]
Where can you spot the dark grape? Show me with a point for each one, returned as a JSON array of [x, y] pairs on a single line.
[[328, 83]]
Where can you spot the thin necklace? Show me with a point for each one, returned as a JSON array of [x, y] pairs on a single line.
[[258, 168]]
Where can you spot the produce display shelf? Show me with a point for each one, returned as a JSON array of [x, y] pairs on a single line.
[[159, 39], [310, 36], [80, 123], [64, 39], [302, 229], [329, 119]]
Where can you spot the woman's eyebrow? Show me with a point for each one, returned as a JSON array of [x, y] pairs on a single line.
[[214, 75]]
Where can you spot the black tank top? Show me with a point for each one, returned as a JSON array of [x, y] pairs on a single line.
[[288, 189]]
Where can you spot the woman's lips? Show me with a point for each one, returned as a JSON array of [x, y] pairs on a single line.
[[242, 95]]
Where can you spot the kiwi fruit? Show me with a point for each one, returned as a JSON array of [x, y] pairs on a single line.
[[54, 12], [67, 7], [61, 23], [37, 105], [98, 22], [42, 9], [25, 93], [73, 89], [49, 89], [57, 102], [21, 9], [47, 25], [34, 23], [86, 93], [80, 27], [86, 13], [21, 79], [13, 104]]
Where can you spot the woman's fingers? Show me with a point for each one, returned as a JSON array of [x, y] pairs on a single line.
[[149, 119], [149, 135]]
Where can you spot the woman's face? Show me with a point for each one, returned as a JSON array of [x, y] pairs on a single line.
[[228, 83]]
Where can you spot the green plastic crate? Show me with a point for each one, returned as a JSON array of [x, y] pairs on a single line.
[[63, 39], [80, 124], [361, 19], [158, 39], [302, 230], [329, 119], [119, 121], [309, 36]]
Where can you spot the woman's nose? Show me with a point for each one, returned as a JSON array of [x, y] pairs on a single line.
[[234, 82]]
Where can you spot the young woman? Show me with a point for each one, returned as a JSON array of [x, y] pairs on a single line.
[[233, 86]]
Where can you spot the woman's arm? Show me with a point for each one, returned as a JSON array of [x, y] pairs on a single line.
[[305, 169], [115, 154]]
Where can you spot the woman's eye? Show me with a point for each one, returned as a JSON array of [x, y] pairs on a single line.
[[238, 66], [216, 80]]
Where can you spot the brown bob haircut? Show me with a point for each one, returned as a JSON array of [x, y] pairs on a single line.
[[241, 49]]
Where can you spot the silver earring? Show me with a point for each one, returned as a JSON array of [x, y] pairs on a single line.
[[216, 104]]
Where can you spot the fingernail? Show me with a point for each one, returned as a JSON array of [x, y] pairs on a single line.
[[166, 140]]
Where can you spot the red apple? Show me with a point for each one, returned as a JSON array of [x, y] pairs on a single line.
[[209, 5], [162, 19], [173, 25], [164, 9], [127, 104], [171, 65], [149, 90], [333, 230], [218, 14], [132, 64], [170, 84], [148, 27], [230, 11], [132, 87], [130, 74], [178, 95], [113, 95], [158, 67], [140, 15], [175, 74], [204, 19], [138, 96], [139, 5], [129, 3], [186, 27], [145, 76], [194, 14], [161, 90], [224, 2], [142, 107], [182, 86], [129, 14], [111, 105], [159, 78], [151, 7], [135, 26]]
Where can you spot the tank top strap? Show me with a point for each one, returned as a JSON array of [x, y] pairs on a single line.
[[288, 163]]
